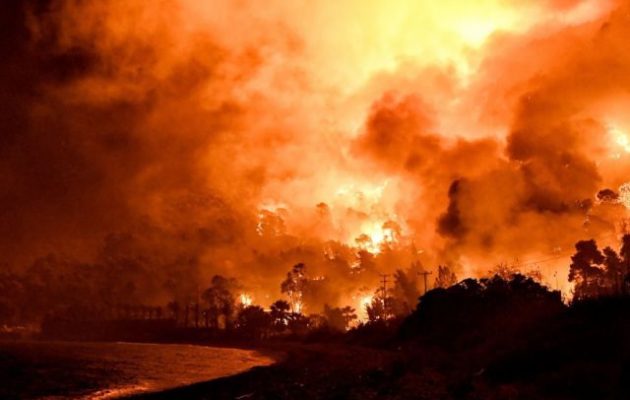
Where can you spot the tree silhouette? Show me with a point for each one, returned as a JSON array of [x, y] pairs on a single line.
[[504, 270], [365, 262], [254, 322], [445, 277], [614, 271], [585, 271], [279, 312], [294, 285], [339, 318], [624, 252], [220, 300], [298, 323], [405, 294], [444, 314], [174, 308], [10, 295], [380, 308]]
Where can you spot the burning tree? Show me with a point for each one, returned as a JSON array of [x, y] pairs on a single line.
[[294, 285], [380, 309], [445, 277], [504, 270], [279, 312], [366, 261], [220, 301]]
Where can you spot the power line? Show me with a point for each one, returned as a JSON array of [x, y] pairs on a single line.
[[563, 255], [542, 261]]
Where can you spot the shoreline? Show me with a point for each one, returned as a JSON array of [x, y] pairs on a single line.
[[306, 371], [277, 352], [276, 355], [252, 354], [207, 387]]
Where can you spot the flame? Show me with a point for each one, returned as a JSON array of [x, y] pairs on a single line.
[[370, 199], [298, 307], [374, 236], [361, 195], [245, 299], [620, 139], [360, 214], [624, 194], [270, 221], [260, 227], [623, 141], [364, 302]]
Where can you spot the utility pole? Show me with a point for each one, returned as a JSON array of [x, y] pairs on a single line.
[[424, 275], [384, 291]]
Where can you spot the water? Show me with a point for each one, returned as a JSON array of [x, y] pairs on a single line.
[[60, 370]]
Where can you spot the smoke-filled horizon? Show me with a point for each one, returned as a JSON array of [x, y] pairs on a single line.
[[182, 139]]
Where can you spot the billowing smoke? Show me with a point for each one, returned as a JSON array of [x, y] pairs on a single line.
[[181, 139]]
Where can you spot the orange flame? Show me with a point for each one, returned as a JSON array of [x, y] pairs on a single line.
[[364, 303], [298, 307], [624, 194], [245, 299]]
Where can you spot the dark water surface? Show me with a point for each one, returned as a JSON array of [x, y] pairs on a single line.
[[59, 370]]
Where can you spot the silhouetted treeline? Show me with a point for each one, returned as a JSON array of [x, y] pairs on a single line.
[[600, 273], [506, 338], [57, 287], [443, 314]]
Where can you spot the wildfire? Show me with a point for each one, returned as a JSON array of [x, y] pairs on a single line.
[[297, 307], [623, 141], [624, 194], [620, 138], [375, 235], [245, 299], [270, 220], [363, 195], [362, 303]]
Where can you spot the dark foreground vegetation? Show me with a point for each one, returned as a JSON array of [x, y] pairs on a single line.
[[503, 337], [487, 339]]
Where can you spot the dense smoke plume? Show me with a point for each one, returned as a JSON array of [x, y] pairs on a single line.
[[179, 139]]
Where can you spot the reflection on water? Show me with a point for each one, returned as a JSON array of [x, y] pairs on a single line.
[[112, 393], [108, 370]]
